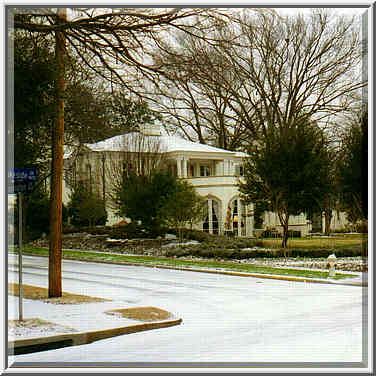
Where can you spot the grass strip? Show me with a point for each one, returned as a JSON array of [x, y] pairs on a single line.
[[141, 313], [181, 263], [41, 293], [312, 243]]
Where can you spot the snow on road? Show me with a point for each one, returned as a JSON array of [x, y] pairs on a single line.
[[225, 318]]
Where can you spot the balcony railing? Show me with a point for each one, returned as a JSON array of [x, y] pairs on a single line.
[[214, 180]]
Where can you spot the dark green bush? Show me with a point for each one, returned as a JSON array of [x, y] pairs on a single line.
[[36, 215], [130, 231], [86, 208], [236, 254], [37, 219]]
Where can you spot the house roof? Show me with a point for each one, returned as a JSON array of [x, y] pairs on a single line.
[[136, 142]]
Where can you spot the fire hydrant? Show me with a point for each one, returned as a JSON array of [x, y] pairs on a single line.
[[331, 260]]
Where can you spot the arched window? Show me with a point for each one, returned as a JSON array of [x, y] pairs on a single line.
[[212, 219], [236, 217]]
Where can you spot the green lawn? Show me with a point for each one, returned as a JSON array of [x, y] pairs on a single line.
[[332, 242], [181, 263]]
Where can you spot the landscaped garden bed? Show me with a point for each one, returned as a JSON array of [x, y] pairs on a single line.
[[303, 253]]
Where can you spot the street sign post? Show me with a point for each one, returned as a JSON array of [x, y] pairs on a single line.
[[20, 288], [21, 181]]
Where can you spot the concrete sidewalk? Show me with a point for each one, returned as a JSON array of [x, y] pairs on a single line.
[[76, 324], [30, 345]]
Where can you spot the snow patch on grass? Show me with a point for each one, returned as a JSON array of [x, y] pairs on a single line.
[[34, 327]]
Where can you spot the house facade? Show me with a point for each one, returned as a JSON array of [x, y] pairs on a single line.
[[213, 172]]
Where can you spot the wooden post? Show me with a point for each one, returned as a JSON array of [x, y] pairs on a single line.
[[55, 252]]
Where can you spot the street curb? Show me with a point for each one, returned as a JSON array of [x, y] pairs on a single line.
[[269, 276], [237, 274], [29, 345]]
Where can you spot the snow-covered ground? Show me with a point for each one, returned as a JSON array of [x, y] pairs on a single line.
[[34, 328], [225, 319], [76, 317]]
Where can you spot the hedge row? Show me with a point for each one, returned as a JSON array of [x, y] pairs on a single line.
[[130, 231], [261, 253]]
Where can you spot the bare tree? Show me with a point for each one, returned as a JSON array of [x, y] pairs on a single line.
[[195, 96], [263, 70], [297, 66], [117, 43], [200, 110]]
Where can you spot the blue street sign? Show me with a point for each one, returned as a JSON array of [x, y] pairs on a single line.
[[21, 180]]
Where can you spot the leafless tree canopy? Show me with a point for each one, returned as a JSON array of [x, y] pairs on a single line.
[[262, 70], [116, 43]]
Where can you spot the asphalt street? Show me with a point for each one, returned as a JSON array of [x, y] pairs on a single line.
[[226, 319]]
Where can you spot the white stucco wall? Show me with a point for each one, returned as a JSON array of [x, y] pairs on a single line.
[[338, 223], [296, 223]]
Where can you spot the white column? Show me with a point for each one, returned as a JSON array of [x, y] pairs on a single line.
[[185, 168], [239, 218], [224, 163], [250, 220], [210, 216], [197, 169], [231, 168], [222, 168], [178, 162], [224, 214]]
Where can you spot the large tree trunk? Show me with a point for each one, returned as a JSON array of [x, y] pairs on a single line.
[[285, 235], [55, 253], [284, 220], [328, 218]]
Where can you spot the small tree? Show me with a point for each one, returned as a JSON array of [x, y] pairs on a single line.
[[140, 197], [184, 206], [85, 208], [37, 214], [287, 171], [353, 171]]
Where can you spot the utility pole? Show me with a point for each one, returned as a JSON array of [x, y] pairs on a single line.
[[55, 249]]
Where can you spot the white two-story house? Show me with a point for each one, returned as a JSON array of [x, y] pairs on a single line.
[[212, 171]]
